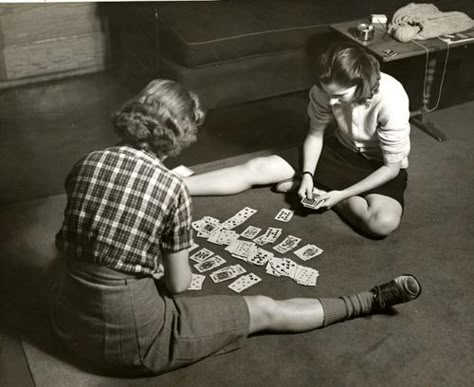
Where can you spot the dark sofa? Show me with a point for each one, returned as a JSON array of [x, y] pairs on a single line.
[[232, 51]]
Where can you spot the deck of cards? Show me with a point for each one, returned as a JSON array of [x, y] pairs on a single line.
[[312, 203]]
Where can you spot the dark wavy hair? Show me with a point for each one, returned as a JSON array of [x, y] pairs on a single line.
[[163, 118], [349, 65]]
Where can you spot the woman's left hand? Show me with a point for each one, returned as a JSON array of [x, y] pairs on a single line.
[[331, 198]]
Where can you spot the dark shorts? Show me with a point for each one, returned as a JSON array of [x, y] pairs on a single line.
[[339, 167], [126, 326]]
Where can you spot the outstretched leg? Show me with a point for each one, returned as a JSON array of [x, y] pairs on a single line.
[[232, 180], [376, 215], [303, 314]]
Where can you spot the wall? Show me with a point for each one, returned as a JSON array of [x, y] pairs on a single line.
[[46, 41]]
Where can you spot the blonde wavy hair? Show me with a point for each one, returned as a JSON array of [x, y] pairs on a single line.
[[163, 118]]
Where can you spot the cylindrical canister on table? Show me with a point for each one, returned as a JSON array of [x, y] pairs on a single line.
[[365, 31]]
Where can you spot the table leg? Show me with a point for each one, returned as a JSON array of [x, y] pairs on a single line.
[[419, 118]]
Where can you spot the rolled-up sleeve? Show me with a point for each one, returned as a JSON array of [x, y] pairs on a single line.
[[393, 131], [319, 110], [178, 233]]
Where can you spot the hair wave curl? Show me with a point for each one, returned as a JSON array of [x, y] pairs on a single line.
[[163, 118]]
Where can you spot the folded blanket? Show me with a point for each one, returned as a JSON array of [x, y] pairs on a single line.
[[425, 21]]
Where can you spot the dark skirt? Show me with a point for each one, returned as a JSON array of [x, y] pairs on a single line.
[[339, 167], [125, 325]]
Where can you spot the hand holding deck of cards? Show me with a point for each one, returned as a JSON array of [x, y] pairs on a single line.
[[313, 203]]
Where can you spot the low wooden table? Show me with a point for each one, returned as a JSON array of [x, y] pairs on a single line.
[[387, 49]]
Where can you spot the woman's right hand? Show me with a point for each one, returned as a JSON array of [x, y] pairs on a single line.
[[306, 187]]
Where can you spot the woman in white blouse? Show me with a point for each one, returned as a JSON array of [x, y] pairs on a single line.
[[359, 168]]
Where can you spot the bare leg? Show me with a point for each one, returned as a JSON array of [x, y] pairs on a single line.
[[294, 315], [232, 180], [303, 314], [376, 215]]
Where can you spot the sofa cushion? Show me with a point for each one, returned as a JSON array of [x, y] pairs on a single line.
[[202, 33], [244, 80]]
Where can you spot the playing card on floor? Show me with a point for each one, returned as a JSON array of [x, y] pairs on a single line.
[[201, 255], [241, 249], [196, 281], [272, 234], [210, 264], [284, 215], [239, 218], [250, 232], [227, 273], [260, 257], [306, 276], [206, 229], [289, 243], [244, 282], [261, 240], [284, 266], [307, 252]]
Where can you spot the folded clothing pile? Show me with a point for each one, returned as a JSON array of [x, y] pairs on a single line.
[[426, 21]]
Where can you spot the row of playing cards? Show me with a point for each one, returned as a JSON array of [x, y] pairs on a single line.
[[286, 267]]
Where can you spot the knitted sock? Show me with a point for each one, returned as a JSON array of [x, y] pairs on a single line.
[[345, 308]]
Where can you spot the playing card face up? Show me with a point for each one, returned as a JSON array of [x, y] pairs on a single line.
[[201, 255], [250, 232], [222, 236], [284, 215], [210, 264], [260, 257], [288, 244], [308, 252], [241, 249], [285, 267], [239, 218], [196, 281], [227, 273], [244, 282]]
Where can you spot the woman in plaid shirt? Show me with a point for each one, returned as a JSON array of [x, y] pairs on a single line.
[[127, 224]]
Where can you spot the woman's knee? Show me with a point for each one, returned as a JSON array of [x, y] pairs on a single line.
[[270, 168], [383, 223]]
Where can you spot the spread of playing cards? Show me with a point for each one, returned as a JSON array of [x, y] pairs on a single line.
[[280, 254]]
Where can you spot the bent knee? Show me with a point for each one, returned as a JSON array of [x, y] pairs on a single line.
[[383, 224], [273, 167]]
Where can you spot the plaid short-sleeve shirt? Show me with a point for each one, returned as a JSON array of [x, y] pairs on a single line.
[[124, 207]]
